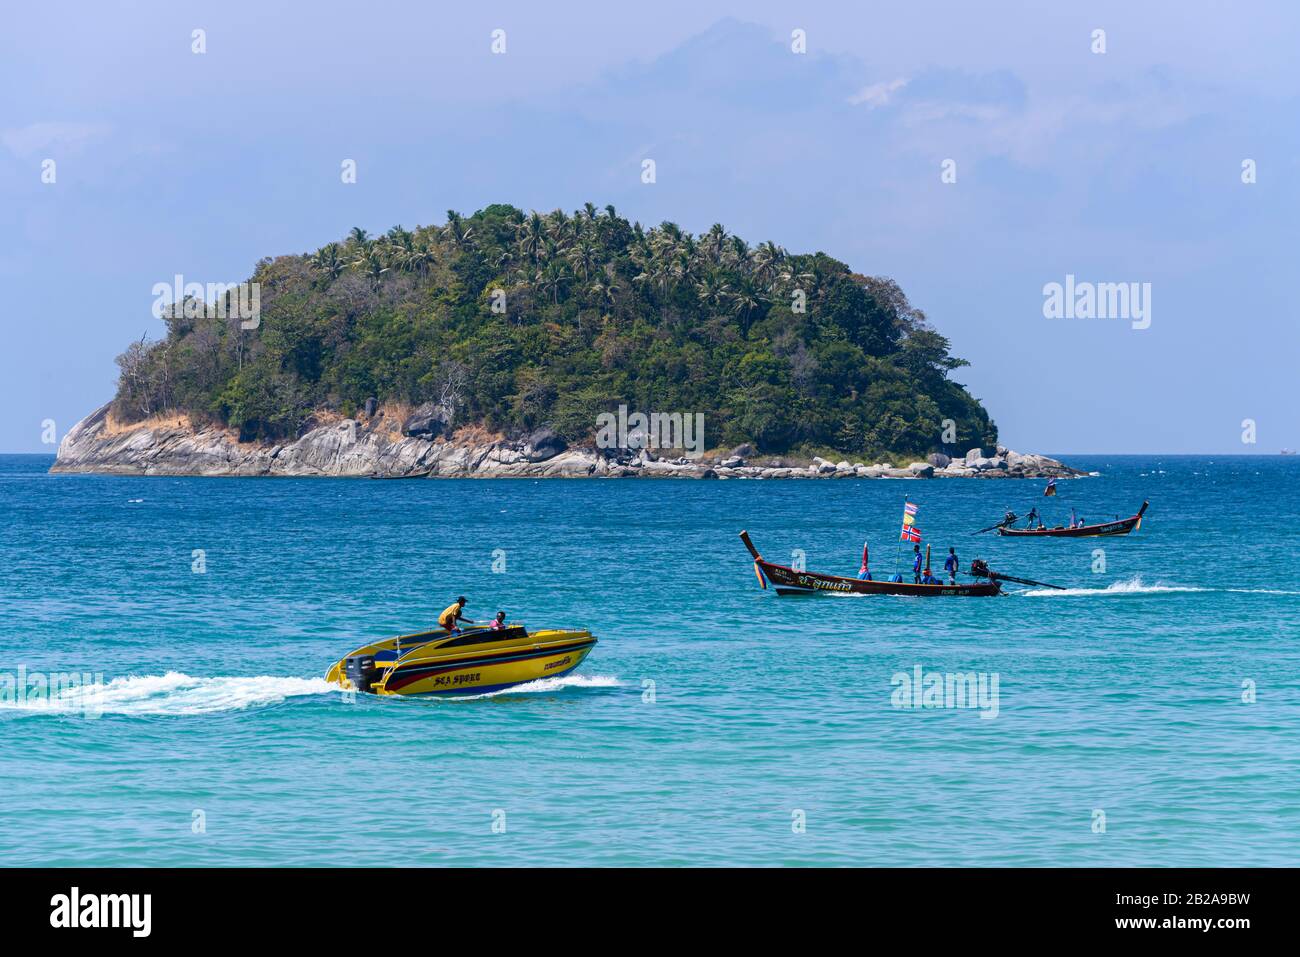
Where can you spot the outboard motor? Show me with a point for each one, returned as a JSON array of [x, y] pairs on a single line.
[[979, 569], [362, 671]]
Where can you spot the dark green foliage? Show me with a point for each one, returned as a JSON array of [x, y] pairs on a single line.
[[516, 321]]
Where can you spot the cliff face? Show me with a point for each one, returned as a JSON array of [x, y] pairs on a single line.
[[375, 447]]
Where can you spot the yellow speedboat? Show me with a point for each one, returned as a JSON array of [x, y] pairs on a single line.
[[469, 662]]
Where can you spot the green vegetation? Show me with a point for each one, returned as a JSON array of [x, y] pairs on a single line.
[[516, 321]]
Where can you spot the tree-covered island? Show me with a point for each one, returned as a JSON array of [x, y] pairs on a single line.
[[514, 321]]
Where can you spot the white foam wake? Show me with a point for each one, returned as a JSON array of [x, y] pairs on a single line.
[[172, 694], [1134, 586], [545, 685]]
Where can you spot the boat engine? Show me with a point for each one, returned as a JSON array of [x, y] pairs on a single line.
[[362, 671]]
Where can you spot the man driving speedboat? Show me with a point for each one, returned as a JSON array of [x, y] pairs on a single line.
[[451, 615]]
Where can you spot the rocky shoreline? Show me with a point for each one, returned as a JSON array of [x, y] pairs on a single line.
[[422, 446]]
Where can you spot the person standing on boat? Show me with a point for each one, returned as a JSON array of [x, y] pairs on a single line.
[[916, 564], [451, 615], [950, 565], [1031, 518]]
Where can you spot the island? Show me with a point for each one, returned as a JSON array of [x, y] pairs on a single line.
[[537, 345]]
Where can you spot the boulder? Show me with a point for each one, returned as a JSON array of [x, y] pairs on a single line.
[[734, 462], [938, 460], [541, 444], [921, 469], [429, 421], [371, 404], [743, 451]]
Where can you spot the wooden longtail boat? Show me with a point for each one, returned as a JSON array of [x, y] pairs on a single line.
[[409, 475], [789, 581], [1118, 527]]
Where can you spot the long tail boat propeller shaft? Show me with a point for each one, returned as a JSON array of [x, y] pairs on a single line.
[[980, 569], [1009, 520]]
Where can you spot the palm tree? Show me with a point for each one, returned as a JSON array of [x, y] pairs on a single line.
[[554, 276], [583, 256], [559, 225], [328, 261], [532, 235], [605, 293], [713, 291], [739, 252], [358, 238], [456, 232], [373, 266], [715, 241], [401, 238], [419, 259], [767, 261], [745, 301]]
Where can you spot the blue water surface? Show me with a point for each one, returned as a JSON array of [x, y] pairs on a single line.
[[1148, 715]]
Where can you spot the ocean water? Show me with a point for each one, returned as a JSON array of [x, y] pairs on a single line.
[[714, 724]]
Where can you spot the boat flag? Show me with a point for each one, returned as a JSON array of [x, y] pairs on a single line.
[[910, 533], [909, 513], [1051, 487]]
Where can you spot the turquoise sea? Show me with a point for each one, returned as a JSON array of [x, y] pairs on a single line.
[[714, 723]]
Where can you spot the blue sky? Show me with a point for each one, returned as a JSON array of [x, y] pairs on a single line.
[[1115, 167]]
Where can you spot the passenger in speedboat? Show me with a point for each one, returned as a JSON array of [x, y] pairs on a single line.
[[451, 615], [950, 565], [499, 622]]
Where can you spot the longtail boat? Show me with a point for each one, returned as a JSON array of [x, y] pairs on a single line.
[[1121, 526], [408, 475], [790, 581]]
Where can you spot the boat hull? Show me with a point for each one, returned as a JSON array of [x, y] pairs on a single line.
[[470, 663], [790, 581]]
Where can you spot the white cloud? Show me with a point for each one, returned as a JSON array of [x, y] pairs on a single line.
[[878, 94]]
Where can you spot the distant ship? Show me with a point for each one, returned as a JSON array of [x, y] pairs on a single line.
[[1287, 452]]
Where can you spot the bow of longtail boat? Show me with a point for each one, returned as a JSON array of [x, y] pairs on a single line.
[[792, 581]]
